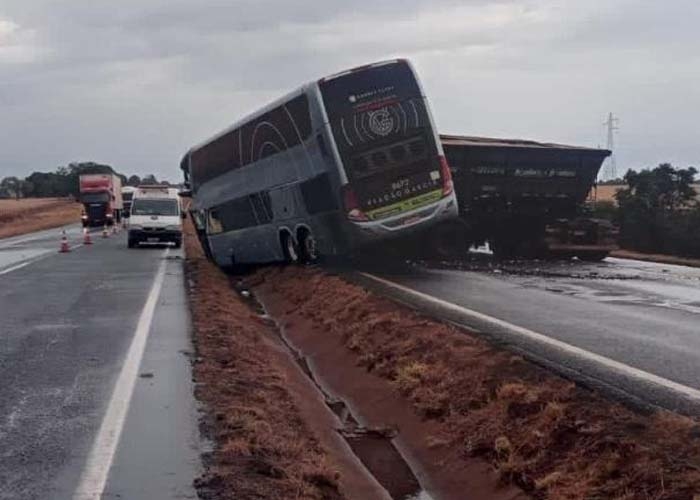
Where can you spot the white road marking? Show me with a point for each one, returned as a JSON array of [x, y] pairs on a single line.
[[609, 363], [94, 477], [32, 260], [14, 268], [44, 233]]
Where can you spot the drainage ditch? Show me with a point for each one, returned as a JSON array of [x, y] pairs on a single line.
[[375, 446]]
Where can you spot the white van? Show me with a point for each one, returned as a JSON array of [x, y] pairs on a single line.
[[156, 216]]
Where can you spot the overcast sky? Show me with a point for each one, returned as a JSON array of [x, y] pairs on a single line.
[[135, 83]]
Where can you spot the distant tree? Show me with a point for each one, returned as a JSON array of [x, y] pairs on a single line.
[[604, 209], [133, 180], [26, 187], [612, 182], [662, 188], [656, 210], [63, 181], [12, 186], [149, 179]]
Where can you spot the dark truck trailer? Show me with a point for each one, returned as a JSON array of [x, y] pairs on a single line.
[[528, 199]]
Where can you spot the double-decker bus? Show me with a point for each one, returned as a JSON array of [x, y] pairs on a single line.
[[343, 162]]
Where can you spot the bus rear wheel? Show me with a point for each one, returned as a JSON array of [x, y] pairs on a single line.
[[308, 251], [290, 249]]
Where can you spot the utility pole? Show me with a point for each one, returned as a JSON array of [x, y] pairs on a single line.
[[611, 168]]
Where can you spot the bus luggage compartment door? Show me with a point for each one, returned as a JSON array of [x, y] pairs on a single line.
[[285, 203]]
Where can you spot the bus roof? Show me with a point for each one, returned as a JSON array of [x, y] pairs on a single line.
[[287, 97], [252, 116], [360, 68]]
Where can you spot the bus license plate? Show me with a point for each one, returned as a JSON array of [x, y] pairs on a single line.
[[152, 240]]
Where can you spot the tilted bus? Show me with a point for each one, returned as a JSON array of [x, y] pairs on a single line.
[[343, 162]]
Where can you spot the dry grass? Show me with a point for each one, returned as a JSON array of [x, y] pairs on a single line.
[[35, 214], [541, 432], [264, 449]]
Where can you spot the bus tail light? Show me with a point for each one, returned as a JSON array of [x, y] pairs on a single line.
[[352, 207], [446, 174]]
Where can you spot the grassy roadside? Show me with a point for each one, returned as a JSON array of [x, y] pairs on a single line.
[[36, 214], [541, 432], [272, 439], [653, 257]]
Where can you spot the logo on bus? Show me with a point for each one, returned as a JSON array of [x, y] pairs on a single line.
[[381, 122]]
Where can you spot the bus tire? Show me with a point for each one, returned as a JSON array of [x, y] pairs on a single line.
[[308, 251], [290, 249]]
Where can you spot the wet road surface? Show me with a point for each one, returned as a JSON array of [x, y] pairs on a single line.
[[66, 323], [642, 314]]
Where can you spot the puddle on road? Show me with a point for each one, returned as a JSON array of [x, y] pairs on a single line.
[[373, 446]]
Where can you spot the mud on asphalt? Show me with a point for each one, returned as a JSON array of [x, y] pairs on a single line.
[[328, 391]]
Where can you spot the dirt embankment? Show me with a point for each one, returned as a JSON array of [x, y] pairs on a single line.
[[654, 257], [35, 214], [273, 435], [538, 431]]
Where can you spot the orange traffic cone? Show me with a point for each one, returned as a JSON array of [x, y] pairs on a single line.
[[105, 234], [86, 237], [64, 243]]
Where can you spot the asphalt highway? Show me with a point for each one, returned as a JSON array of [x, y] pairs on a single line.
[[644, 317], [96, 399]]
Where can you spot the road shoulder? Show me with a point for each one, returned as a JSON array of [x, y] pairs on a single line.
[[159, 453]]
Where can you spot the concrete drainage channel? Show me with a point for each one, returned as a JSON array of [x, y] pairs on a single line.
[[375, 446]]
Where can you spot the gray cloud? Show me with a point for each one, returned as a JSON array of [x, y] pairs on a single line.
[[136, 83]]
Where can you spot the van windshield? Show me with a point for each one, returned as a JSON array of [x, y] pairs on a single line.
[[154, 207]]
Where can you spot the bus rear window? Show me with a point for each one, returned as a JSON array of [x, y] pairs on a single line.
[[372, 86]]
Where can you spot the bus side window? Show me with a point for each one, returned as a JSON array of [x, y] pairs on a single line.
[[214, 222], [267, 203], [322, 144]]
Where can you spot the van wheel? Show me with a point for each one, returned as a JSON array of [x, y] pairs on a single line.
[[290, 249], [307, 247]]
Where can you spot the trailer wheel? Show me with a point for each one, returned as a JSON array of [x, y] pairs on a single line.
[[450, 240], [308, 251], [504, 249], [289, 248]]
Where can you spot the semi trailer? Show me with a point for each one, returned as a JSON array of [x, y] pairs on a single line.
[[101, 197], [526, 199]]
